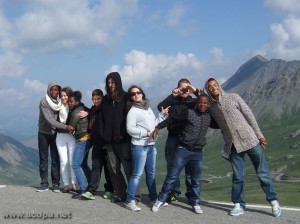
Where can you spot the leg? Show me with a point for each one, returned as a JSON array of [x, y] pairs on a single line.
[[62, 148], [196, 169], [150, 172], [238, 179], [260, 164], [55, 164], [85, 167], [108, 187], [71, 149], [96, 170], [43, 142], [139, 156]]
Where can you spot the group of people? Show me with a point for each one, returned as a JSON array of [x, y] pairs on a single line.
[[121, 129]]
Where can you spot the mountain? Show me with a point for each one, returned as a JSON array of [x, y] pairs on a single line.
[[18, 163], [270, 87]]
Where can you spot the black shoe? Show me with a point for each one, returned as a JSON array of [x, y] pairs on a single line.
[[77, 196], [116, 199]]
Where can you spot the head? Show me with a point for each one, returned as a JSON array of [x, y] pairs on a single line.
[[136, 94], [113, 85], [74, 99], [53, 90], [64, 94], [203, 103], [182, 84], [97, 96], [213, 88]]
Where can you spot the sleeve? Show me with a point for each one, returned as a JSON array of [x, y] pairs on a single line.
[[46, 111], [74, 120], [166, 102], [249, 116], [176, 114]]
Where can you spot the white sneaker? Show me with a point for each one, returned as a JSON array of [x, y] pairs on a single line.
[[132, 206], [197, 209], [237, 210], [157, 206], [276, 210]]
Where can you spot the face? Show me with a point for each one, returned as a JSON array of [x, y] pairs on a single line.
[[213, 88], [64, 97], [136, 95], [72, 102], [54, 91], [111, 85], [97, 100], [183, 85], [203, 104]]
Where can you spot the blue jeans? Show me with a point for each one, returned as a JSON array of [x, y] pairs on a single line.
[[81, 149], [170, 149], [183, 157], [143, 157], [259, 162]]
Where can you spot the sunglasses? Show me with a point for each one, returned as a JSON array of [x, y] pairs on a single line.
[[135, 93]]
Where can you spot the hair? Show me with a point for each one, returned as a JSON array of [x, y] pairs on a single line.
[[184, 80], [97, 92], [76, 95], [67, 90], [129, 100], [203, 95], [211, 79]]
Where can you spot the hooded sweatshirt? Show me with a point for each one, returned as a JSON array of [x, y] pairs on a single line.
[[236, 121], [111, 123], [48, 117]]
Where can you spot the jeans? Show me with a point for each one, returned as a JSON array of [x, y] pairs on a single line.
[[99, 161], [259, 162], [182, 157], [45, 141], [170, 148], [143, 157], [85, 167], [66, 143], [82, 147]]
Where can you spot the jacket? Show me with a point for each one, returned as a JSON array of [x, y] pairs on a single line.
[[80, 124], [48, 118]]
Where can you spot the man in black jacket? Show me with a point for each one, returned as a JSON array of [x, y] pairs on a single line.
[[189, 150], [112, 129]]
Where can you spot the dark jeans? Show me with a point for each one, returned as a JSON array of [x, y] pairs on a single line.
[[45, 142], [117, 154], [182, 157], [99, 161], [85, 167], [170, 148], [259, 162]]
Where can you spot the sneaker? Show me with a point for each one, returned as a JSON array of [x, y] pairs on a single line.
[[197, 209], [107, 195], [174, 199], [66, 189], [237, 210], [132, 206], [157, 206], [77, 196], [42, 188], [153, 203], [116, 199], [88, 195], [276, 210], [56, 188]]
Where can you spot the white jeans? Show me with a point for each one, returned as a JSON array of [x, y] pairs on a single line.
[[66, 143]]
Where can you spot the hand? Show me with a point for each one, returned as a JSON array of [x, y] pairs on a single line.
[[263, 142], [70, 129], [191, 88], [83, 114], [176, 92], [155, 134], [165, 110]]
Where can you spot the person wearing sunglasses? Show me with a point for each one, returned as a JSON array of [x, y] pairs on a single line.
[[140, 124]]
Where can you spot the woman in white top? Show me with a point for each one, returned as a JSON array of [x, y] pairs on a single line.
[[65, 143], [140, 124]]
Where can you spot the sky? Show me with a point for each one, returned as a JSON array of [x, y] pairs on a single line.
[[151, 43]]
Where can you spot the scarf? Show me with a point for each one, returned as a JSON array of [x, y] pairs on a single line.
[[144, 104], [63, 109]]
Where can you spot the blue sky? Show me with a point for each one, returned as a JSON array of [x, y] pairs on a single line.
[[151, 43]]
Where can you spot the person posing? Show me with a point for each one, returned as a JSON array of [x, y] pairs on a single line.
[[111, 125], [82, 137], [188, 152], [241, 135], [47, 136], [178, 100], [140, 124], [99, 153], [65, 143]]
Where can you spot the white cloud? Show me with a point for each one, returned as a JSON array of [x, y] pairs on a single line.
[[52, 25], [174, 15], [35, 86], [157, 73], [11, 65], [286, 6]]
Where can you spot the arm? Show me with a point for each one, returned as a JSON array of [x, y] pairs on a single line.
[[167, 102], [131, 125]]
